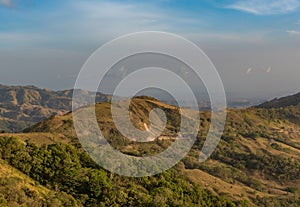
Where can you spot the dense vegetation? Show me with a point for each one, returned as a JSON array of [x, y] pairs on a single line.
[[66, 169]]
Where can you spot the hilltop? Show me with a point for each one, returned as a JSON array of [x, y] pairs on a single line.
[[292, 100]]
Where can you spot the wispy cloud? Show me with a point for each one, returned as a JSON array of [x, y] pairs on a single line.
[[86, 24], [248, 71], [95, 21], [228, 37], [265, 7], [7, 3], [293, 32], [124, 17]]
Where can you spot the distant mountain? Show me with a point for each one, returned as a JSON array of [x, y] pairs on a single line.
[[22, 106], [292, 100]]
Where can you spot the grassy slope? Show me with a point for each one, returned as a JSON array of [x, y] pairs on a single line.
[[251, 136], [17, 189]]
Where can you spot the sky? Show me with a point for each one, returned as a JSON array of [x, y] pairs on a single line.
[[254, 44]]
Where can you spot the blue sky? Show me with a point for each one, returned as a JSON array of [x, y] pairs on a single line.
[[65, 23], [53, 38]]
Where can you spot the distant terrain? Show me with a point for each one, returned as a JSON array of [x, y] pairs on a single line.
[[257, 162], [292, 100], [23, 106]]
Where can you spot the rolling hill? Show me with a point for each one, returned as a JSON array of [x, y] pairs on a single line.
[[292, 100], [23, 106], [257, 162]]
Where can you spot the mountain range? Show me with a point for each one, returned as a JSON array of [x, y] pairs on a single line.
[[23, 106]]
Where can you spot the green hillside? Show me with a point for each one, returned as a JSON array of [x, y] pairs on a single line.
[[18, 189], [257, 162]]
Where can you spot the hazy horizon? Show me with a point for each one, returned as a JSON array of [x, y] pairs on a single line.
[[253, 44]]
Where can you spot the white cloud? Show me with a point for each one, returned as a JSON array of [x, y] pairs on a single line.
[[293, 32], [90, 23], [108, 19], [248, 71], [265, 7], [7, 3], [87, 24]]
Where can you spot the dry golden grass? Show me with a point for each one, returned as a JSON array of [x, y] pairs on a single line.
[[40, 138], [6, 172]]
